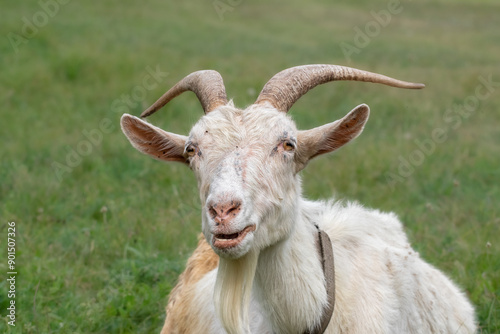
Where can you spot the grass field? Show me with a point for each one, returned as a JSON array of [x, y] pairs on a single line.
[[102, 232]]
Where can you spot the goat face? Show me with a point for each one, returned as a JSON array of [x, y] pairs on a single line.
[[245, 163]]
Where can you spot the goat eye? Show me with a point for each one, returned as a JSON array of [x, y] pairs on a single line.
[[288, 146], [190, 151]]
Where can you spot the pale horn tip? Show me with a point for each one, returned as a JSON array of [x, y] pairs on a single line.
[[417, 86]]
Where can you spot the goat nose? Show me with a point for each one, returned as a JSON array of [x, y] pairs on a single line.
[[223, 213]]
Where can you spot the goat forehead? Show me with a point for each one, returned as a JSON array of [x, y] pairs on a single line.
[[230, 127]]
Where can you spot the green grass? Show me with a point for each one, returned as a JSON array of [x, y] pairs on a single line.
[[110, 271]]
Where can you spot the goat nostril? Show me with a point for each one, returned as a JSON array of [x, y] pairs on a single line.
[[235, 206], [212, 211]]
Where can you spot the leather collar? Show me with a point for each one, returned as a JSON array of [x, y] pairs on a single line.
[[325, 251]]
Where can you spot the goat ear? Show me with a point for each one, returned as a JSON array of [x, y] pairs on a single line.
[[329, 137], [152, 140]]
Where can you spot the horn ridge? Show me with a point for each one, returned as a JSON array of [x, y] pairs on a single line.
[[207, 85], [287, 86]]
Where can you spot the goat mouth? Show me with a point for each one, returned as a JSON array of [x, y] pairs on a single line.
[[225, 241]]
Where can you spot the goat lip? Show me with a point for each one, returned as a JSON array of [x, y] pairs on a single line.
[[225, 241]]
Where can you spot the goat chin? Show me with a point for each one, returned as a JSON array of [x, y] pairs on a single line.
[[232, 291]]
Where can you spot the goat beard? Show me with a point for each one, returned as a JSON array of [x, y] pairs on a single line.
[[233, 290]]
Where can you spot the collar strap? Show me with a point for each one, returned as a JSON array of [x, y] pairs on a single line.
[[325, 251]]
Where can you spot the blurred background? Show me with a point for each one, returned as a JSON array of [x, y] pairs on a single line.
[[102, 232]]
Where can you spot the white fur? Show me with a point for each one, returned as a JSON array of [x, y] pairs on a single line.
[[382, 285]]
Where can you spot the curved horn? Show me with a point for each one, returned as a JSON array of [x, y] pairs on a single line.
[[286, 87], [207, 85]]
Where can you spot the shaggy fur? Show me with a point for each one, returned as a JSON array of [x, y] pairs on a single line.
[[234, 287], [252, 157]]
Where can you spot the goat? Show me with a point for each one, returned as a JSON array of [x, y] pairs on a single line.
[[257, 268]]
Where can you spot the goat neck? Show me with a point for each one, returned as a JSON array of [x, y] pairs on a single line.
[[289, 280]]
